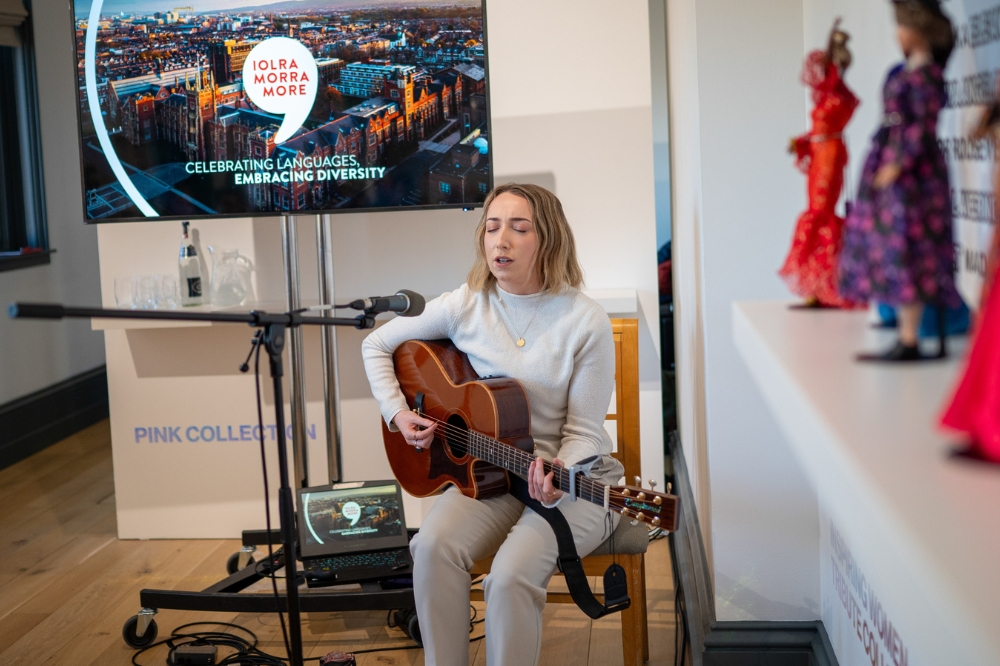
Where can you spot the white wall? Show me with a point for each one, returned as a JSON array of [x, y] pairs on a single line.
[[36, 354], [735, 100]]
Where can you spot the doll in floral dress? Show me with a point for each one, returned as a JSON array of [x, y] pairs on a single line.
[[898, 245]]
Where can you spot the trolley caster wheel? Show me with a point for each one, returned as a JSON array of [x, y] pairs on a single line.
[[130, 633], [233, 563], [406, 620], [413, 630]]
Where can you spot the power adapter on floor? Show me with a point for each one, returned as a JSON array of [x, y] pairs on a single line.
[[192, 654]]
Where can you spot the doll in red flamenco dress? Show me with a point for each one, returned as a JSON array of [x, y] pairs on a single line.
[[974, 409], [810, 270]]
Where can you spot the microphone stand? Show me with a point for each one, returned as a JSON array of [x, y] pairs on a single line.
[[274, 328]]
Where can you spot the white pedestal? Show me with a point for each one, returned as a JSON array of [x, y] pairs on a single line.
[[910, 540]]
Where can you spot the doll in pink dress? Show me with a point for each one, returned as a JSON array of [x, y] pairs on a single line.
[[974, 409]]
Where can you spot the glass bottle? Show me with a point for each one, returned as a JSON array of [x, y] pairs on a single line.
[[190, 271]]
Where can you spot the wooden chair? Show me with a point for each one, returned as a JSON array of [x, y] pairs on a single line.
[[630, 540]]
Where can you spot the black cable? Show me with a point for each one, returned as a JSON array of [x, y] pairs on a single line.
[[246, 651], [267, 501]]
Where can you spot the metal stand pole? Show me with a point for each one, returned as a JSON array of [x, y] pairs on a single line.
[[274, 340], [296, 378], [328, 348]]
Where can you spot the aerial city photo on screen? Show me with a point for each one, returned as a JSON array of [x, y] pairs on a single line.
[[351, 515], [225, 108]]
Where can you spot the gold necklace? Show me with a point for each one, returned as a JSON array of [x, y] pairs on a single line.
[[506, 315]]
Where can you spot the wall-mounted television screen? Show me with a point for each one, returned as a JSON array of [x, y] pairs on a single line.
[[230, 108]]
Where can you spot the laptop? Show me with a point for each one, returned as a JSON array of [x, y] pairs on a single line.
[[353, 532]]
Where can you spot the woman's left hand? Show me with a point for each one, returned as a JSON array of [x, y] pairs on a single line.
[[540, 484]]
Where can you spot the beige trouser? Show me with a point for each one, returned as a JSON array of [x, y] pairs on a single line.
[[459, 530]]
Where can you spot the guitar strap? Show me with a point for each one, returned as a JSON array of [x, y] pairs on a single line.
[[615, 588]]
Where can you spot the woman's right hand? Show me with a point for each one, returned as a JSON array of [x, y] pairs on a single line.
[[417, 430]]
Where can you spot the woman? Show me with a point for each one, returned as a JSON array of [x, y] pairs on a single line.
[[898, 246], [810, 269], [521, 315]]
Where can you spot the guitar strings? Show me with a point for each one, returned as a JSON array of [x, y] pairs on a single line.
[[594, 489], [497, 447]]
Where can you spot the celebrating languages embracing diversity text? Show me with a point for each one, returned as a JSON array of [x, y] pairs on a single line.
[[281, 170]]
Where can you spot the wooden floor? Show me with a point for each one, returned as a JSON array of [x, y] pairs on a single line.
[[67, 584]]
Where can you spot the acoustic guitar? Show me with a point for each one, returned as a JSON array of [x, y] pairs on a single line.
[[483, 434]]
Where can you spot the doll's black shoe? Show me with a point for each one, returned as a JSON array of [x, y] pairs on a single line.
[[897, 353], [971, 451]]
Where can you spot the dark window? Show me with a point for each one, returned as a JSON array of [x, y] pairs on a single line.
[[22, 193]]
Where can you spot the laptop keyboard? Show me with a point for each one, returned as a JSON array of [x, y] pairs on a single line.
[[386, 559]]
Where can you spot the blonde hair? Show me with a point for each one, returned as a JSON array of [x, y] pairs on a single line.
[[555, 259]]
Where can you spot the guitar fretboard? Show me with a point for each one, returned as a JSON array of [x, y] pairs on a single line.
[[517, 461]]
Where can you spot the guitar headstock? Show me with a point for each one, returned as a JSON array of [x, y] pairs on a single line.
[[645, 506]]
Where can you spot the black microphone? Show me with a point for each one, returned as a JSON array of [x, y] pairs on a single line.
[[404, 302]]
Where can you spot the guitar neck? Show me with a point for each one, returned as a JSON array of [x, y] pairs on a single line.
[[517, 461]]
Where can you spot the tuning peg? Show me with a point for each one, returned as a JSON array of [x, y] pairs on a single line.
[[655, 521], [638, 481], [652, 485], [641, 496], [670, 487]]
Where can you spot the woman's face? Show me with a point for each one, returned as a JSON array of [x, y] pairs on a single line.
[[511, 244]]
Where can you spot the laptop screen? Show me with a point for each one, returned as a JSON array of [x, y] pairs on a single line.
[[351, 517]]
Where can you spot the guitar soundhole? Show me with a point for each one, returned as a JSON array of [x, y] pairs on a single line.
[[457, 437]]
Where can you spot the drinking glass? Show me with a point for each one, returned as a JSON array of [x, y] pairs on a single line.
[[124, 298], [145, 297], [170, 293]]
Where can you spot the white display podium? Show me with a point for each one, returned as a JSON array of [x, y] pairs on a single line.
[[910, 535]]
